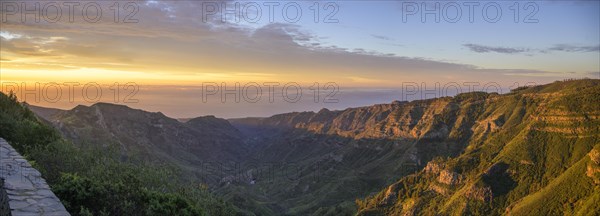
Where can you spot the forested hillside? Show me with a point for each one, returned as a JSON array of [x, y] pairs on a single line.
[[101, 180]]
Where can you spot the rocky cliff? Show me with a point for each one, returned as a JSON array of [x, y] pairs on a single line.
[[490, 150], [529, 152]]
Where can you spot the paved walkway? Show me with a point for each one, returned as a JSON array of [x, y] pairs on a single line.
[[28, 193]]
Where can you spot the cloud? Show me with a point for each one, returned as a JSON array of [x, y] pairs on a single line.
[[8, 36], [485, 49], [364, 80], [177, 42], [534, 73], [24, 46], [574, 48], [381, 37], [528, 51]]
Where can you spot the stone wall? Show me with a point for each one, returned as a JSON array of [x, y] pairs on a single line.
[[26, 190], [4, 209]]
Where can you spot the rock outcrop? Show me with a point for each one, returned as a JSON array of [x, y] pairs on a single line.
[[595, 156], [593, 169], [433, 167], [449, 177], [480, 193], [390, 195]]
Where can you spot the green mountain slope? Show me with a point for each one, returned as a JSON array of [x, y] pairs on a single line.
[[151, 136], [351, 153], [95, 180], [575, 191], [530, 155], [526, 152]]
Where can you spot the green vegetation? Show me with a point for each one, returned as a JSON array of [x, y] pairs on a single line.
[[537, 160], [96, 180], [533, 151]]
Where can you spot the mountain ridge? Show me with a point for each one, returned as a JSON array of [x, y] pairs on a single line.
[[544, 137], [152, 135], [453, 155], [452, 127]]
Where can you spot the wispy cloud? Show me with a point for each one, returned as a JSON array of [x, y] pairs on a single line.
[[485, 49], [519, 50], [573, 48], [156, 45], [381, 37]]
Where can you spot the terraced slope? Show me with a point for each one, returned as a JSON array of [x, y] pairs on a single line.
[[534, 151]]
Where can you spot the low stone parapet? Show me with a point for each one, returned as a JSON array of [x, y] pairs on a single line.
[[26, 191]]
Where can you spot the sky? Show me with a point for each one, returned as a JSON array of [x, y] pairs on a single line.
[[176, 57]]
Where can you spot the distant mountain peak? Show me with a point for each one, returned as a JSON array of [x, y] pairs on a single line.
[[324, 110], [110, 105]]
